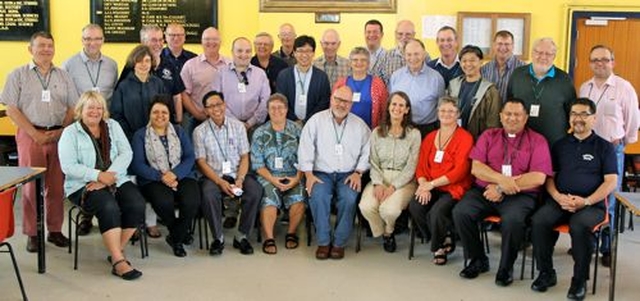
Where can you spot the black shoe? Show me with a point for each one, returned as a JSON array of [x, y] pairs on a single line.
[[504, 277], [475, 267], [216, 247], [85, 225], [230, 222], [389, 243], [578, 290], [605, 260], [188, 239], [545, 280], [178, 248], [58, 239], [244, 246]]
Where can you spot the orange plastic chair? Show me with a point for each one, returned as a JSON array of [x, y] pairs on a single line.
[[7, 228]]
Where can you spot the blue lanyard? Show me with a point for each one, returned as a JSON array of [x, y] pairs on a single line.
[[226, 131]]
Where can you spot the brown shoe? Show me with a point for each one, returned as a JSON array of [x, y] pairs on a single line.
[[337, 252], [322, 252], [58, 239], [32, 244]]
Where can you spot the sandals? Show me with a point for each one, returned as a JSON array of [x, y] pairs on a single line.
[[291, 241], [449, 245], [269, 247], [130, 275], [440, 258]]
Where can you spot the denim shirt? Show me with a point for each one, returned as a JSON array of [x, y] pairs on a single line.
[[78, 157]]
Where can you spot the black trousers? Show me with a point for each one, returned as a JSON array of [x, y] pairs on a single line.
[[581, 225], [164, 201], [513, 210], [212, 205], [124, 210], [434, 219]]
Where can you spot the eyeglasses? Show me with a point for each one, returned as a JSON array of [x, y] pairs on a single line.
[[305, 51], [174, 35], [154, 40], [441, 111], [601, 60], [89, 39], [543, 53], [215, 105], [582, 115]]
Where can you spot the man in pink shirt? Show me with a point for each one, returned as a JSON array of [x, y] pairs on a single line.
[[199, 76], [616, 116]]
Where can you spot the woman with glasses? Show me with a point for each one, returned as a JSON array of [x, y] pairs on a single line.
[[274, 156], [369, 92], [444, 175], [478, 99], [394, 153]]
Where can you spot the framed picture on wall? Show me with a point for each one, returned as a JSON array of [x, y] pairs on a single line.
[[479, 28], [352, 6]]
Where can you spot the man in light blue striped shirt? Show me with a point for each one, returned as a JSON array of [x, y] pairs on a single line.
[[500, 68]]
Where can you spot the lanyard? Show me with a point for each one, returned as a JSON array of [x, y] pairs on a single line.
[[94, 83], [537, 93], [446, 142], [335, 131], [601, 95], [302, 81], [45, 85], [226, 131], [508, 157]]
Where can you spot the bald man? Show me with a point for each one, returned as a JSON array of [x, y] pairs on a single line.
[[287, 35], [330, 62], [393, 59]]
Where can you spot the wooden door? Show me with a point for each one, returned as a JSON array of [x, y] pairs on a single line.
[[623, 36]]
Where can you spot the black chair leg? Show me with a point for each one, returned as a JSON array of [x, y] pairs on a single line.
[[412, 237], [16, 269], [77, 242]]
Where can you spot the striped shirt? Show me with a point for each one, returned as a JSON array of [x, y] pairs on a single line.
[[491, 72]]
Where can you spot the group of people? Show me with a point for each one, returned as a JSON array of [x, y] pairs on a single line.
[[448, 139]]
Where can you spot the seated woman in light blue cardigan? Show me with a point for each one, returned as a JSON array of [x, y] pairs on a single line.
[[94, 156]]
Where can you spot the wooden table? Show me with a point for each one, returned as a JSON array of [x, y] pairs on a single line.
[[11, 176], [625, 201]]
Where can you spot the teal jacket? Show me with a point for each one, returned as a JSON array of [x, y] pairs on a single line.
[[78, 157]]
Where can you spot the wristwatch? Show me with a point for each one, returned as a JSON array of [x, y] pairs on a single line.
[[587, 202]]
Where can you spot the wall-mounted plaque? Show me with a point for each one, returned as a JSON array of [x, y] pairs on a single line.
[[20, 19], [122, 19]]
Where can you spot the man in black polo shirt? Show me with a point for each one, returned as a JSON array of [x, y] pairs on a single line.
[[585, 173]]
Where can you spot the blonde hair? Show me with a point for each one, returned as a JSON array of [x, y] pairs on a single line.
[[91, 96]]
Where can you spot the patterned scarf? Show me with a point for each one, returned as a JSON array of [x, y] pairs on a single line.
[[159, 157]]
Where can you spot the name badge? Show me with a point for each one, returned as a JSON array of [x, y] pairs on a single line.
[[356, 97], [506, 170], [46, 96], [226, 167], [439, 156], [279, 163], [242, 88], [534, 111], [95, 89], [302, 100], [338, 149]]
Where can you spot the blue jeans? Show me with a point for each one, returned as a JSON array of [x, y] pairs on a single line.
[[322, 195], [606, 239]]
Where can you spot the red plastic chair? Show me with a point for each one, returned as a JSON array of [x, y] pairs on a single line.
[[6, 230]]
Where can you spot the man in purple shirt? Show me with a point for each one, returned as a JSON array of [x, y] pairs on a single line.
[[245, 86], [510, 164]]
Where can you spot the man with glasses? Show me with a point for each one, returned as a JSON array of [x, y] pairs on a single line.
[[222, 156], [546, 90], [448, 64], [198, 76], [585, 174], [92, 71], [510, 164], [393, 59], [500, 68], [306, 87], [330, 62], [287, 36], [271, 64], [175, 52], [333, 153], [616, 117]]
